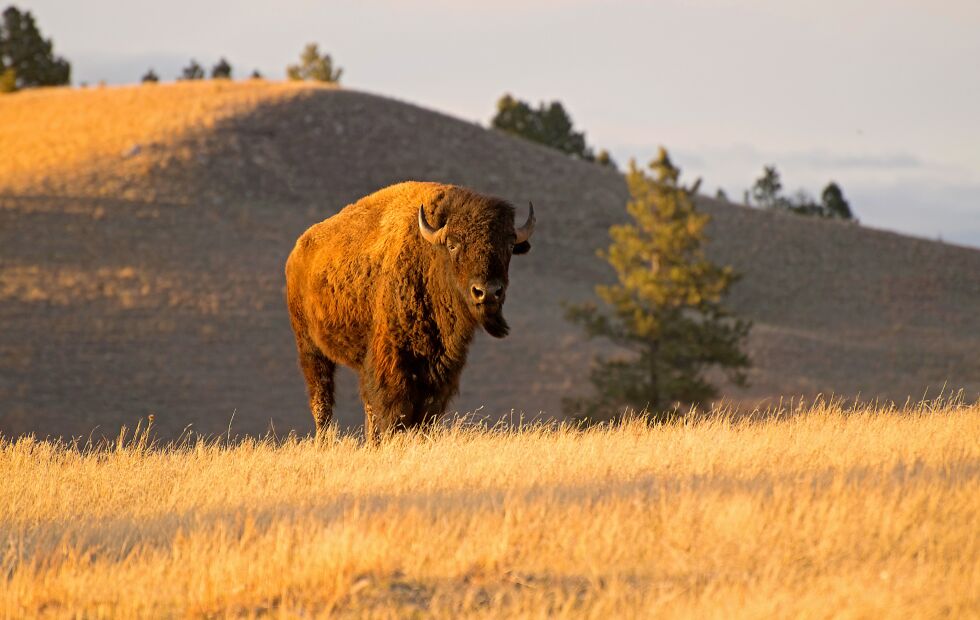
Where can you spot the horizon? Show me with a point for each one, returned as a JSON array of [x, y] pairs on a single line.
[[833, 104]]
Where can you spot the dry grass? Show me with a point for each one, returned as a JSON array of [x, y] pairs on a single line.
[[52, 133], [817, 513]]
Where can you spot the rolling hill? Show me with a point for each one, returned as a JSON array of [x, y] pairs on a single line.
[[143, 232]]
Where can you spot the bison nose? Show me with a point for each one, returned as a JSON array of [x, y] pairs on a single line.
[[487, 292]]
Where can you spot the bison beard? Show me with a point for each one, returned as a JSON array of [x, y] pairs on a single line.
[[394, 291], [493, 323]]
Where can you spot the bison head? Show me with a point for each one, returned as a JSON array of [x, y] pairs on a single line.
[[475, 243]]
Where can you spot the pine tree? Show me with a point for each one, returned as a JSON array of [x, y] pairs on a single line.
[[665, 308], [222, 70], [192, 71], [8, 80], [765, 192], [548, 124], [26, 58], [603, 158], [557, 130], [313, 66], [150, 77], [833, 203], [516, 117]]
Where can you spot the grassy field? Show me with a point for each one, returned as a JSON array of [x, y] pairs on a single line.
[[810, 513]]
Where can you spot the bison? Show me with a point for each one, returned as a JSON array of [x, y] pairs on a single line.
[[394, 287]]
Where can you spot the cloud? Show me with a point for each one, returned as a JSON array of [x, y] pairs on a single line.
[[822, 159], [816, 159]]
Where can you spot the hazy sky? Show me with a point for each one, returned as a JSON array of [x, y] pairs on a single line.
[[881, 96]]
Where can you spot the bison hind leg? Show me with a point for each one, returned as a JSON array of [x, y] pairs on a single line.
[[318, 370]]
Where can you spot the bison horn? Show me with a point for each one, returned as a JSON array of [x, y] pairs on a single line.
[[524, 232], [428, 233]]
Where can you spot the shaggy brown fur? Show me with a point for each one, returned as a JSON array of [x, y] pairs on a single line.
[[367, 290]]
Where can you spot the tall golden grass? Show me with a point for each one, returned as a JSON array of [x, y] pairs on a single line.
[[814, 512]]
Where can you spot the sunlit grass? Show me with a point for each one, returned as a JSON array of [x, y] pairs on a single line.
[[815, 513], [49, 136]]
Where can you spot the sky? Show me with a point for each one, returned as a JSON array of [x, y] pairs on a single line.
[[882, 97]]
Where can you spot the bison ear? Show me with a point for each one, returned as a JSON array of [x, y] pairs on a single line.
[[522, 248]]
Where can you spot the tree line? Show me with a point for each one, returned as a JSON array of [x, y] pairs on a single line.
[[550, 124], [28, 60], [312, 66], [766, 193]]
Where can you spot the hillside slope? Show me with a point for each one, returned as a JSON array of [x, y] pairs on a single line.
[[143, 232]]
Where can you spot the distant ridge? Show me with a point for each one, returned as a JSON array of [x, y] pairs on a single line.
[[143, 232]]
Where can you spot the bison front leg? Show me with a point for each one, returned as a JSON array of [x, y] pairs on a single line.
[[432, 410], [385, 391], [318, 370], [385, 409], [391, 409]]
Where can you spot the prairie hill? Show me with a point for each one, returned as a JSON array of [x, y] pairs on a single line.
[[143, 232]]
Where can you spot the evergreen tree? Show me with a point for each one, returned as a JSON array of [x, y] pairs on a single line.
[[193, 71], [8, 80], [517, 117], [802, 204], [313, 66], [26, 58], [665, 308], [255, 75], [549, 125], [150, 77], [765, 192], [222, 70], [833, 203], [603, 158], [557, 131]]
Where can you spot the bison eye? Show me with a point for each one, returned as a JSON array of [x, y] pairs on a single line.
[[452, 246]]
